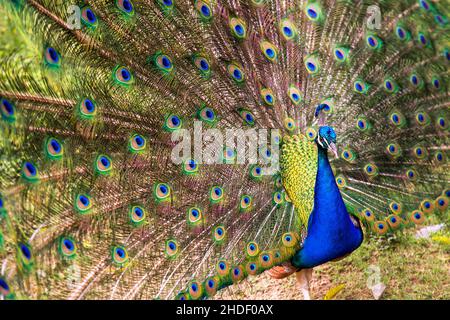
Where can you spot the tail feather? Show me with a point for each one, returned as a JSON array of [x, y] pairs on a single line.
[[92, 203]]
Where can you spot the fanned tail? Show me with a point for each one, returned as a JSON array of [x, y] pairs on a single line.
[[93, 204]]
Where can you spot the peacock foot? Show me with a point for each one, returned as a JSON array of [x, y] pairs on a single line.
[[282, 271]]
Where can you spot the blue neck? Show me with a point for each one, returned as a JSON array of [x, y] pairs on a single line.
[[328, 203], [331, 232]]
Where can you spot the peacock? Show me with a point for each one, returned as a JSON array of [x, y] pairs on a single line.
[[119, 180]]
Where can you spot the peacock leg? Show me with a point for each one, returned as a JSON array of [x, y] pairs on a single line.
[[303, 279], [309, 273]]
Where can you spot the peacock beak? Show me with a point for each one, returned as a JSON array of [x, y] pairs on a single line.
[[333, 148]]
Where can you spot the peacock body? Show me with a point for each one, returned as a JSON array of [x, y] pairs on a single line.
[[332, 233], [97, 97]]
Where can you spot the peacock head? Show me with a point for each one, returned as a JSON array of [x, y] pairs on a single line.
[[326, 139]]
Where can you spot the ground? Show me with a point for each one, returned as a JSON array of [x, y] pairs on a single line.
[[409, 268]]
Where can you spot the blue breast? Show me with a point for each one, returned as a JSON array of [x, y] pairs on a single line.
[[331, 232]]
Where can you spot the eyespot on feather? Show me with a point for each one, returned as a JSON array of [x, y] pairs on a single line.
[[287, 29], [269, 50], [137, 144], [137, 215], [30, 172], [219, 234], [216, 194], [88, 18], [123, 76], [161, 192], [7, 110], [204, 10], [52, 58], [236, 72], [126, 7], [238, 28], [172, 249], [83, 204], [119, 255], [67, 247]]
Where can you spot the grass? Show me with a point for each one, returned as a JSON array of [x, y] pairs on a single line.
[[409, 268]]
